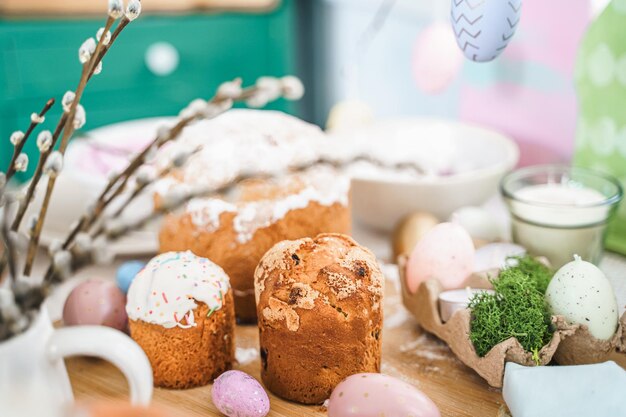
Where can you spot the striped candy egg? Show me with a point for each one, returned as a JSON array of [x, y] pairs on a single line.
[[483, 28]]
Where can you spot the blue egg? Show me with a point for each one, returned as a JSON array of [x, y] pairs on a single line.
[[126, 274]]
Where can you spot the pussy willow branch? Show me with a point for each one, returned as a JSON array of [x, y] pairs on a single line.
[[42, 161], [68, 129], [117, 184], [8, 254], [18, 148], [30, 192]]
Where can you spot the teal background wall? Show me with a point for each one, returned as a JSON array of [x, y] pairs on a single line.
[[39, 60]]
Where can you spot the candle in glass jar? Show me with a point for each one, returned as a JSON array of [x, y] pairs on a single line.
[[549, 224], [558, 211]]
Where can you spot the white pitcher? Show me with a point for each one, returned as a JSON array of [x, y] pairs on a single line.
[[33, 378]]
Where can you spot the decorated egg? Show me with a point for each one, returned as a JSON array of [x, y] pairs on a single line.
[[349, 114], [237, 394], [484, 28], [436, 59], [375, 395], [495, 255], [478, 222], [410, 230], [96, 302], [446, 253], [126, 274], [582, 294]]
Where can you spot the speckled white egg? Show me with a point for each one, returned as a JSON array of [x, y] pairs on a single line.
[[582, 294], [478, 222], [484, 28], [446, 253]]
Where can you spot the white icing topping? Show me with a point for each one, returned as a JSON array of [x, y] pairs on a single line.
[[321, 185], [258, 141], [244, 140], [166, 290]]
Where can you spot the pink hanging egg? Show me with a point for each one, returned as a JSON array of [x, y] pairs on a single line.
[[446, 253], [96, 302], [375, 395], [437, 60]]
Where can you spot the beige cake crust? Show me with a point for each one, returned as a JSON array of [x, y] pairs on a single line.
[[190, 357], [320, 315], [238, 258]]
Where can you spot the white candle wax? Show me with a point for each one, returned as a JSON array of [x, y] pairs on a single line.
[[558, 220], [454, 300], [560, 205]]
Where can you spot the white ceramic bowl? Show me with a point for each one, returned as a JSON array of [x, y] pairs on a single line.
[[477, 158]]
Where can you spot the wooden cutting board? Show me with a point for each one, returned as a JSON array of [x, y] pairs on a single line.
[[408, 353]]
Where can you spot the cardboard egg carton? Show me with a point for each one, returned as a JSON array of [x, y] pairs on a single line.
[[570, 344]]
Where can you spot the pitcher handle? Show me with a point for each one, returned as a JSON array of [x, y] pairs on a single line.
[[111, 345]]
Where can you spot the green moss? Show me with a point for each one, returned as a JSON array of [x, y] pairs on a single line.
[[538, 272], [517, 309]]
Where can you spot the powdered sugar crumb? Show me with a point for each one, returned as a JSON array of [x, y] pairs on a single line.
[[246, 355]]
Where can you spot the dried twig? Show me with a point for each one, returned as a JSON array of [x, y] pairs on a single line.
[[43, 159], [90, 67], [36, 119]]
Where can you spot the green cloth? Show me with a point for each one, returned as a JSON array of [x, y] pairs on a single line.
[[601, 86]]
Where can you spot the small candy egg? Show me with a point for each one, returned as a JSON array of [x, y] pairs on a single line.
[[349, 114], [478, 222], [410, 230], [126, 274], [237, 394], [581, 293], [96, 302], [375, 395], [446, 253], [495, 255]]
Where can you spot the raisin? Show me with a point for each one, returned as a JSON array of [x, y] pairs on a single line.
[[264, 358], [294, 295], [296, 258]]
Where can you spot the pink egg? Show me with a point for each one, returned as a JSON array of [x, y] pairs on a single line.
[[96, 302], [375, 395], [446, 253], [437, 60], [237, 394]]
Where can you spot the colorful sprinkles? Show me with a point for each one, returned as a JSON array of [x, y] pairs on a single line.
[[165, 292]]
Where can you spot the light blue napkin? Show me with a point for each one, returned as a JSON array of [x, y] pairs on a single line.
[[565, 391]]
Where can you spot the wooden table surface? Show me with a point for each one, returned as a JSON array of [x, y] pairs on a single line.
[[408, 353]]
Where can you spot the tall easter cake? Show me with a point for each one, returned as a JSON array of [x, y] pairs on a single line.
[[181, 312], [319, 303], [236, 230]]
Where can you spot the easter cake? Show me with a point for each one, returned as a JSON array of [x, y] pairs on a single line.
[[319, 303], [236, 230], [181, 312]]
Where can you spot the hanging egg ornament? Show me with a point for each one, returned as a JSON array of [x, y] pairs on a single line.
[[436, 59], [96, 302], [375, 395], [484, 28], [410, 230], [237, 394], [581, 293]]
